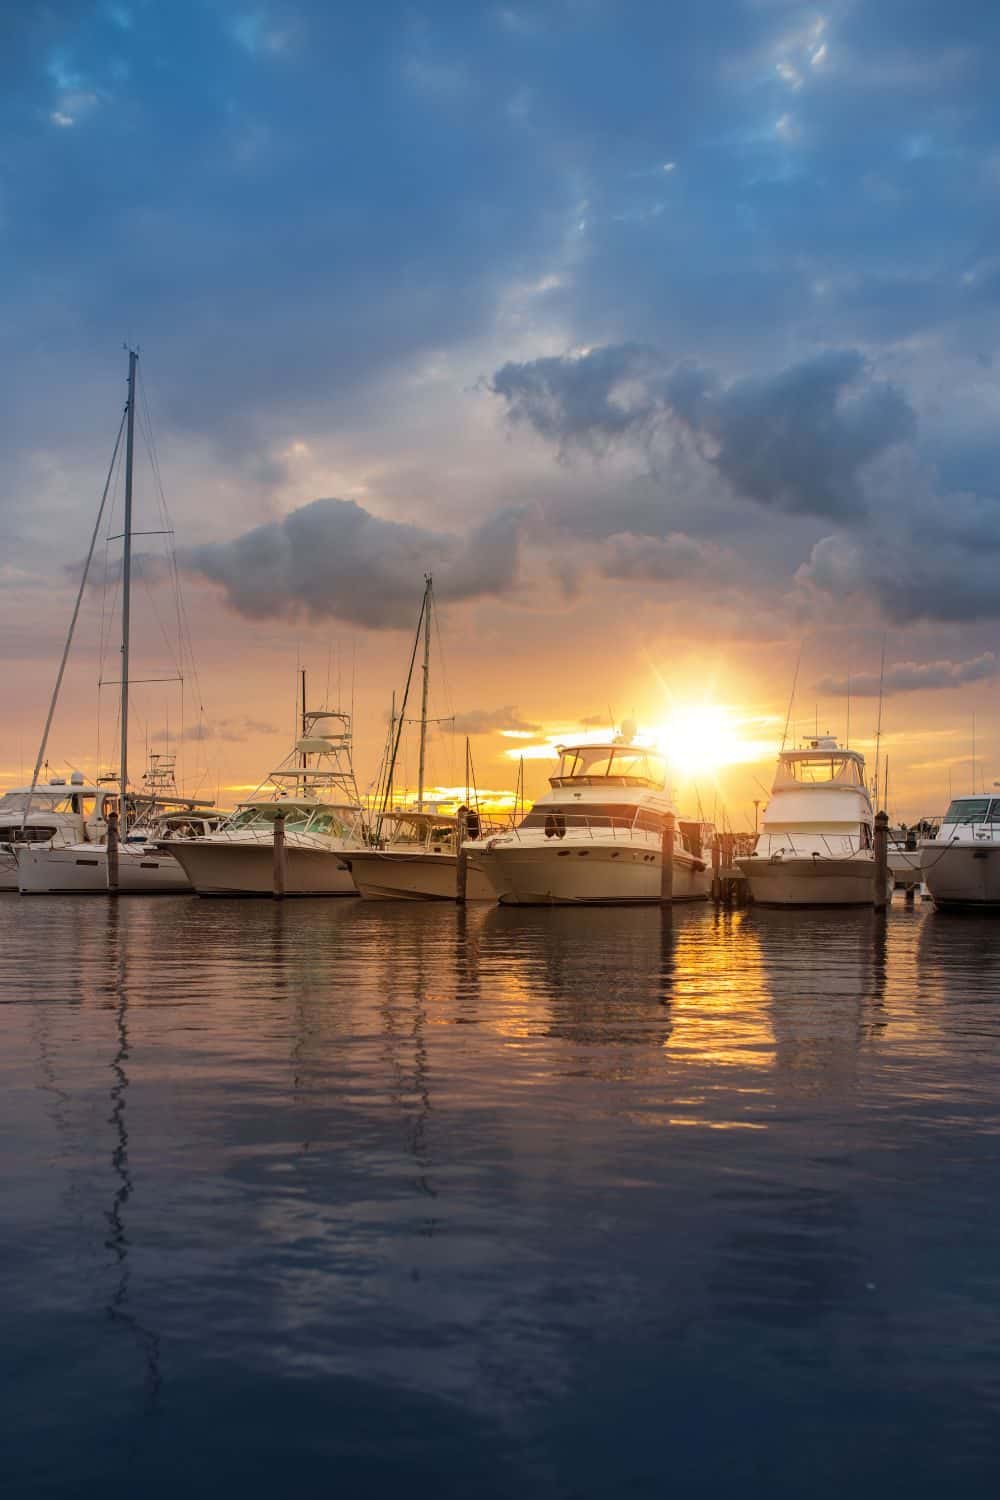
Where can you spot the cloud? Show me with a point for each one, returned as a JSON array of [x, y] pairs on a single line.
[[668, 559], [925, 556], [232, 731], [912, 677], [493, 721], [797, 441], [333, 559]]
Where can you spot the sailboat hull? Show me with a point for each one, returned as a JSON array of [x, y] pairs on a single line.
[[231, 867], [394, 875], [82, 870]]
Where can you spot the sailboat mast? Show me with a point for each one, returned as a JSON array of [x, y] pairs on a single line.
[[424, 697], [305, 760], [127, 582]]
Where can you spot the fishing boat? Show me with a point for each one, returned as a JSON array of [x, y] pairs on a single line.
[[961, 864], [597, 835], [315, 792], [816, 841], [413, 852], [61, 866]]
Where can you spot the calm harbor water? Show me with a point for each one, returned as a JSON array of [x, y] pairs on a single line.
[[344, 1198]]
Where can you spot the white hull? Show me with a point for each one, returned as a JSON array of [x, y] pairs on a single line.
[[963, 875], [395, 875], [234, 867], [587, 872], [8, 871], [811, 882], [82, 870], [905, 867]]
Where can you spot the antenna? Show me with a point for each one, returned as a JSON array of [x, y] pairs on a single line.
[[847, 741], [973, 754], [791, 700]]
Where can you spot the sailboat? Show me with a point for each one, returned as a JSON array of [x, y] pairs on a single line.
[[67, 867], [414, 853]]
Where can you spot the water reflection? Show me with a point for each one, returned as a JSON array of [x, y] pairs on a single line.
[[484, 1201], [120, 1308]]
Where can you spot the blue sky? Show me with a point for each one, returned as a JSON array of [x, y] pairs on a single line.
[[595, 308]]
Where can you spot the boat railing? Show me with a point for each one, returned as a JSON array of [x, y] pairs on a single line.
[[555, 823]]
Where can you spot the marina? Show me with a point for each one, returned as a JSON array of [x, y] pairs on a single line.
[[499, 751]]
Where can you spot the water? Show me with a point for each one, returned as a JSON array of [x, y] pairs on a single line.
[[343, 1198]]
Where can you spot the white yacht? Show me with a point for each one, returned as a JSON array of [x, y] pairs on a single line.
[[816, 841], [416, 860], [315, 790], [78, 865], [597, 835], [53, 812], [961, 865]]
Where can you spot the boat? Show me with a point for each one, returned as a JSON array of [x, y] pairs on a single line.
[[961, 864], [417, 860], [79, 865], [67, 867], [314, 791], [597, 835], [413, 851], [815, 846], [52, 812]]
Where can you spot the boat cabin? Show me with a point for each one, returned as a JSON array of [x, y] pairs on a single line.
[[301, 814], [609, 765], [820, 763], [433, 831], [34, 816]]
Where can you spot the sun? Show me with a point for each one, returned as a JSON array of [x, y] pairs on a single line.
[[700, 739]]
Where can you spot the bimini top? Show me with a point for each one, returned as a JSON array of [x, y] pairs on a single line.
[[822, 762], [616, 764]]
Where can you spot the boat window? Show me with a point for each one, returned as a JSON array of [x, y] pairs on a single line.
[[818, 769], [968, 810], [616, 815], [629, 762]]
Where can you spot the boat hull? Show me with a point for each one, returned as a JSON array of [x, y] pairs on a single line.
[[233, 868], [8, 870], [810, 882], [586, 874], [390, 875], [963, 875], [82, 870]]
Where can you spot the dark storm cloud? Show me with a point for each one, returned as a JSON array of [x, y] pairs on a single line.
[[911, 677], [669, 559], [797, 441], [334, 560]]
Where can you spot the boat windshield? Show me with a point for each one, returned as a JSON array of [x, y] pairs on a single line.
[[324, 820], [624, 763], [263, 814], [973, 810], [42, 801], [819, 769]]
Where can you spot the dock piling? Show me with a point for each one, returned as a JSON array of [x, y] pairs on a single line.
[[667, 861], [716, 867], [112, 851], [881, 893], [280, 867], [462, 860]]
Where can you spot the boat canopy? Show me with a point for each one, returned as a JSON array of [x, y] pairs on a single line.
[[824, 763], [597, 765]]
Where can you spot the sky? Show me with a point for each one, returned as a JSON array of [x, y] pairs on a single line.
[[664, 336]]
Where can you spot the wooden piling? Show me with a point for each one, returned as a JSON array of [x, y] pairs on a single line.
[[716, 866], [280, 857], [667, 861], [462, 860], [881, 893], [727, 868], [112, 851]]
